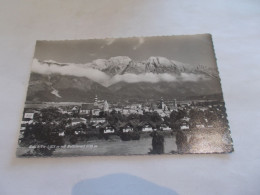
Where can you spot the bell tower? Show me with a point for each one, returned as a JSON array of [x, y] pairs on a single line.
[[96, 101]]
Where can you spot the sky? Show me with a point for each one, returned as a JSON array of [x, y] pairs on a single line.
[[190, 49]]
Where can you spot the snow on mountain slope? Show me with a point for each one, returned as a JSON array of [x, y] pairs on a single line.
[[155, 64], [56, 93]]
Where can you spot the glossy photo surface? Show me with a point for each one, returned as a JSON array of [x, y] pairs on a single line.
[[124, 96]]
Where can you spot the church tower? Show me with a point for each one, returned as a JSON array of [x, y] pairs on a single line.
[[175, 103], [162, 105], [106, 106], [96, 101]]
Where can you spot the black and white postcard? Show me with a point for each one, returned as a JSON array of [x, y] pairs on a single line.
[[124, 96]]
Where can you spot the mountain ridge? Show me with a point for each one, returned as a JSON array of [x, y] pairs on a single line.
[[155, 64], [120, 77]]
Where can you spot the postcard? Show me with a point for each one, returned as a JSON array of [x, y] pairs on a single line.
[[124, 96]]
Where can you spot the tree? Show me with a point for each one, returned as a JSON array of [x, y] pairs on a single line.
[[157, 143], [156, 117], [50, 114], [73, 139]]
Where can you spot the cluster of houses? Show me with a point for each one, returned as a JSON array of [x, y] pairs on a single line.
[[99, 125], [131, 126], [102, 125], [89, 115], [102, 105]]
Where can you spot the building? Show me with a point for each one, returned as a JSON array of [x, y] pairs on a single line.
[[108, 129], [126, 111], [96, 125], [86, 109], [28, 114], [61, 133], [173, 106], [165, 127], [96, 110], [76, 121], [75, 109], [161, 112], [162, 105], [97, 120], [26, 121], [127, 127], [147, 126], [106, 106], [140, 112], [136, 106], [184, 126], [175, 103]]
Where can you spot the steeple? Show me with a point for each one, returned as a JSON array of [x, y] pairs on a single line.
[[106, 106], [96, 101], [175, 103]]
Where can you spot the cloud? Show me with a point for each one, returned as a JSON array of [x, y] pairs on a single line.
[[140, 42], [191, 77], [147, 77], [154, 78], [106, 80], [71, 70]]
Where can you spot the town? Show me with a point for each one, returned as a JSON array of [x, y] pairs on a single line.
[[99, 120]]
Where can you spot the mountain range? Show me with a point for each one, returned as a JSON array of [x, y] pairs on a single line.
[[120, 77]]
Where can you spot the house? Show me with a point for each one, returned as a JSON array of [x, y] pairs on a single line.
[[146, 109], [165, 127], [133, 111], [86, 109], [136, 106], [77, 132], [184, 126], [140, 112], [62, 110], [147, 126], [126, 111], [127, 127], [161, 112], [26, 121], [108, 129], [75, 109], [76, 121], [29, 114], [97, 120], [96, 125], [202, 109]]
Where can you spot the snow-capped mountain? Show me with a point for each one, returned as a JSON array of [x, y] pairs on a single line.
[[120, 77], [122, 64]]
